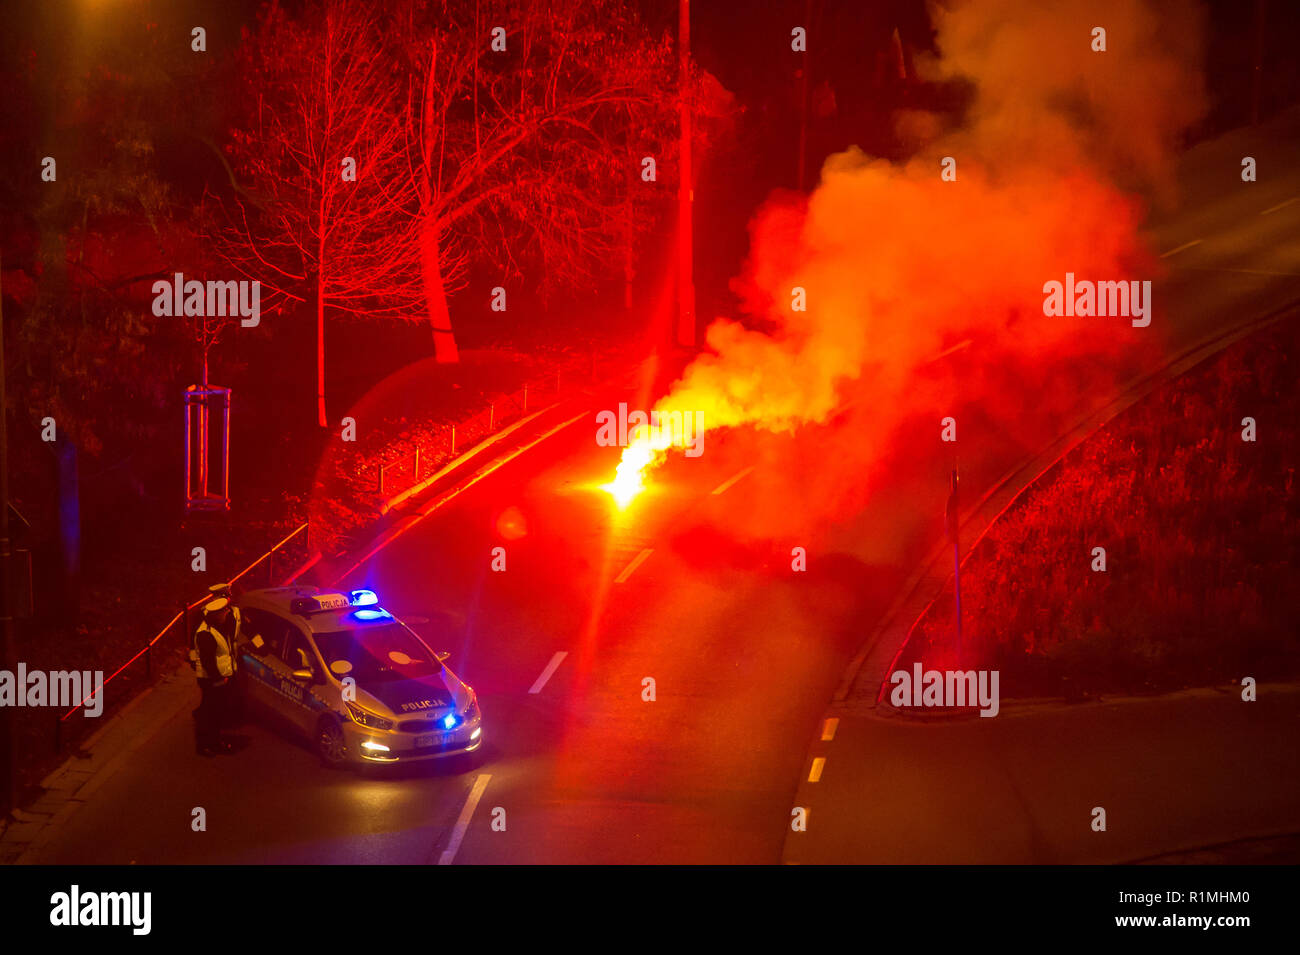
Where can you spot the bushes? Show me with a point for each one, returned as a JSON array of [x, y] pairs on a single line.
[[1199, 529]]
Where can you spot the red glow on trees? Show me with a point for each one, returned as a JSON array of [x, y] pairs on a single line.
[[320, 109]]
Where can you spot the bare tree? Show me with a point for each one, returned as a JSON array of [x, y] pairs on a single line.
[[323, 210], [526, 122], [511, 133]]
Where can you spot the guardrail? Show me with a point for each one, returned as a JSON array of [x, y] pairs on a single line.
[[410, 468], [182, 617]]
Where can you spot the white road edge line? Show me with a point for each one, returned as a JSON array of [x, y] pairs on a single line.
[[550, 669], [816, 773], [966, 343], [829, 727], [1185, 245], [462, 824], [438, 502], [732, 480], [1280, 205], [1193, 268], [637, 561]]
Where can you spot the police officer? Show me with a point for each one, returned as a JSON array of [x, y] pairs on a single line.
[[213, 657]]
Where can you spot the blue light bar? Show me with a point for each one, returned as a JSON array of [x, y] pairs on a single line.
[[364, 598]]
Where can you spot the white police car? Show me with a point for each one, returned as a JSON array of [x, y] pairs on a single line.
[[361, 685]]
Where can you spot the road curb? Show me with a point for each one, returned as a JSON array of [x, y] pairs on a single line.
[[410, 520], [405, 510], [401, 497]]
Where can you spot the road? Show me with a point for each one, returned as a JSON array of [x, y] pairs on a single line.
[[745, 652], [585, 769]]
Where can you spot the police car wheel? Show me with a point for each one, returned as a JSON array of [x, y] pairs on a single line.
[[331, 743]]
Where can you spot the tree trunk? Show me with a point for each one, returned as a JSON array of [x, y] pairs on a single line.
[[435, 295], [321, 419]]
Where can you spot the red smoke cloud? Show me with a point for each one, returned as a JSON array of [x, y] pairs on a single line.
[[898, 265]]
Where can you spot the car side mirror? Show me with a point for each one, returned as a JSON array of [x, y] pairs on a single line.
[[442, 655], [303, 676]]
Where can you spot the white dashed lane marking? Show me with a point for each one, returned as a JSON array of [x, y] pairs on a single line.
[[953, 350], [1185, 245], [1280, 205], [816, 772], [637, 561], [829, 727], [462, 824], [732, 480], [550, 669]]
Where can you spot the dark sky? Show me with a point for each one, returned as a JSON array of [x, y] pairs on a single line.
[[746, 45]]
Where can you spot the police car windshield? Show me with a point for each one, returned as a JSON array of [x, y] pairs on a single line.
[[377, 654]]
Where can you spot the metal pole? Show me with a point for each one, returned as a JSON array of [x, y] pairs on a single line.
[[8, 650], [956, 576], [188, 450], [803, 104], [956, 559], [685, 194], [417, 464], [1257, 65], [225, 455], [203, 444], [629, 232]]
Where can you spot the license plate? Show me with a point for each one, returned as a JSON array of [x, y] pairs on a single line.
[[428, 740]]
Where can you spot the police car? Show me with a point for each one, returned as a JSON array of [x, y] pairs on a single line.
[[356, 680]]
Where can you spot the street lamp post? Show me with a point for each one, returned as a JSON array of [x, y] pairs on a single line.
[[951, 519], [685, 225], [8, 652]]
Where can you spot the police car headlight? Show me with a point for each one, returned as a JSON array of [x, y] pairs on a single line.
[[368, 720]]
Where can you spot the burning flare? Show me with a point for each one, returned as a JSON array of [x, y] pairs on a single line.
[[629, 476], [645, 450]]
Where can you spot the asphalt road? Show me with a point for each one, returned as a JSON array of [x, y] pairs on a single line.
[[745, 652]]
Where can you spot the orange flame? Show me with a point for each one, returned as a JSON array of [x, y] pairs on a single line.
[[645, 450]]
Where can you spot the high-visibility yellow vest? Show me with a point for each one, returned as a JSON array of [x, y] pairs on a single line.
[[225, 660]]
